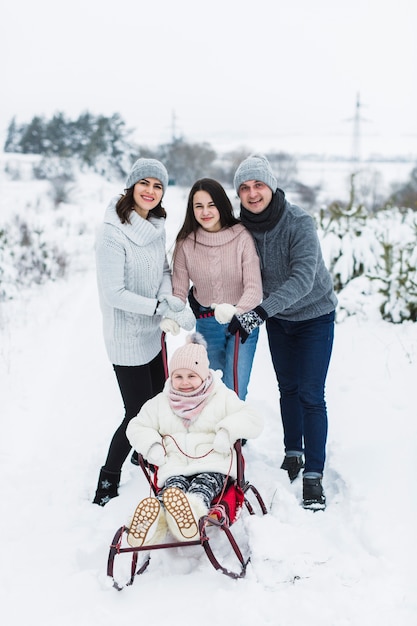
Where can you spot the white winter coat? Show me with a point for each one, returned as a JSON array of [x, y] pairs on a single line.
[[224, 409]]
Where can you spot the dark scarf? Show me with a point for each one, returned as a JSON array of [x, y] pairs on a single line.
[[261, 222]]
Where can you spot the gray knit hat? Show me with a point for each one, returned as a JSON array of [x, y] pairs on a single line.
[[255, 167], [147, 168]]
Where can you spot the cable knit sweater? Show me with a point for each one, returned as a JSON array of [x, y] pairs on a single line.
[[223, 267], [157, 423], [132, 274]]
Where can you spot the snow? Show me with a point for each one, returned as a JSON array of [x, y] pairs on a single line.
[[350, 565]]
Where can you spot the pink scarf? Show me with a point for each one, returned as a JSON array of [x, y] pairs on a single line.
[[188, 406]]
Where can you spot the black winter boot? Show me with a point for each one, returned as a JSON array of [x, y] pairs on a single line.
[[293, 465], [313, 494], [106, 487]]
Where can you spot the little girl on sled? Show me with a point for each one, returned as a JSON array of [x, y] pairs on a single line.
[[187, 431]]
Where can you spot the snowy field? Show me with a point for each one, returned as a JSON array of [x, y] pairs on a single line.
[[352, 565]]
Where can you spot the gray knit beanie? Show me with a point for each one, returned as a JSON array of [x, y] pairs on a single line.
[[255, 167], [147, 168]]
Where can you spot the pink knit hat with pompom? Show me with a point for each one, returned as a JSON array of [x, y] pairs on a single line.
[[192, 356]]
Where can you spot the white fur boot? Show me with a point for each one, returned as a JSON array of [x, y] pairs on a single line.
[[197, 505], [182, 513], [148, 525]]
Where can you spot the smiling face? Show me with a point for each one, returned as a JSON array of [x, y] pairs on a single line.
[[255, 196], [185, 380], [205, 211], [147, 194]]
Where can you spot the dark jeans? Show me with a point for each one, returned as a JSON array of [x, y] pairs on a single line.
[[300, 354], [137, 383]]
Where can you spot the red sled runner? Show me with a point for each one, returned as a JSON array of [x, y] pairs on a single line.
[[237, 495]]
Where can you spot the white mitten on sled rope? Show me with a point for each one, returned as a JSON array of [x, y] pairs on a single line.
[[156, 454], [221, 441], [224, 312]]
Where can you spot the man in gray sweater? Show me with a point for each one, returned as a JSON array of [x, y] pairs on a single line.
[[299, 309]]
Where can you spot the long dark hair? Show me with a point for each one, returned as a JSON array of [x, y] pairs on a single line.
[[220, 199], [125, 204]]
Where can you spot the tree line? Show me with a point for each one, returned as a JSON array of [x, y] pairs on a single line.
[[105, 146]]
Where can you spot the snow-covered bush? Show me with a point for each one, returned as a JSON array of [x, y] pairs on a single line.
[[396, 271], [347, 243], [371, 252], [380, 248], [60, 174], [27, 257], [40, 239]]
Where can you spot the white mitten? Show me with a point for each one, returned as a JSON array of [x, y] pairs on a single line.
[[184, 318], [221, 441], [174, 303], [162, 308], [169, 326], [224, 312], [156, 454]]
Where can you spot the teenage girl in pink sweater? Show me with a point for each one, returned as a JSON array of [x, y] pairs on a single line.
[[216, 254]]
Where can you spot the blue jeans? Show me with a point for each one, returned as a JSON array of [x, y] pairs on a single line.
[[300, 354], [220, 349]]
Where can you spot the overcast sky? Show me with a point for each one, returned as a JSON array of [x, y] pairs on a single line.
[[264, 74]]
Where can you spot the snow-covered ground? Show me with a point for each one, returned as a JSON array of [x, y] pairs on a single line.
[[352, 565]]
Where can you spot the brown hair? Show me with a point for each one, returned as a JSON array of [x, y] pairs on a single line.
[[220, 199], [125, 203]]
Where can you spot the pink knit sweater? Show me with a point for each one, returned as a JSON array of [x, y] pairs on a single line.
[[222, 266]]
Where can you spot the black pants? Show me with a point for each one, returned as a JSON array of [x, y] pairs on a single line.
[[137, 383]]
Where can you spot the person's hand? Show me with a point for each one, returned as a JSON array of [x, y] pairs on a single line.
[[156, 454], [224, 312], [245, 323], [221, 441], [169, 326], [174, 303]]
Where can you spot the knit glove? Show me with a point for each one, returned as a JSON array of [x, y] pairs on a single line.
[[174, 303], [221, 442], [184, 318], [156, 454], [169, 326], [224, 312], [245, 323]]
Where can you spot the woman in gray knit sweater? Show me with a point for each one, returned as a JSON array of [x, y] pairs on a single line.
[[299, 308], [135, 292]]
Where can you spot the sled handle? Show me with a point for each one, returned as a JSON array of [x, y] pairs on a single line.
[[164, 354], [235, 363]]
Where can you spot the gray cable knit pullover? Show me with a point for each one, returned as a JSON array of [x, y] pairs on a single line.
[[132, 274], [296, 283]]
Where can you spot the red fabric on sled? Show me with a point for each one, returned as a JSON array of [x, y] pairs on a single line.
[[232, 500]]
